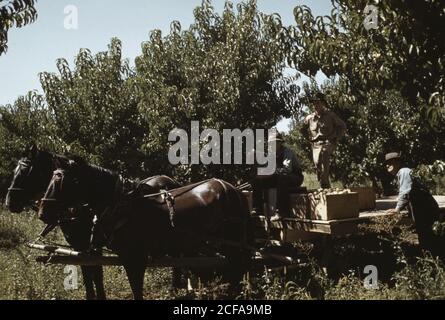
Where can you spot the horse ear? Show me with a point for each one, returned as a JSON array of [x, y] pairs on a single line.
[[77, 161], [61, 163]]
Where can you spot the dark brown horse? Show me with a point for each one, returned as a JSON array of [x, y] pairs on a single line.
[[189, 221], [31, 177]]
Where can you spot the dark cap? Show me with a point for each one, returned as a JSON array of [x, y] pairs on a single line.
[[318, 97], [392, 155]]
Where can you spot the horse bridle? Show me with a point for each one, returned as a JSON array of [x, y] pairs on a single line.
[[52, 200], [61, 217], [27, 165]]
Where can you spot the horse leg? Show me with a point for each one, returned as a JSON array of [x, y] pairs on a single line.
[[135, 268], [99, 282], [238, 265], [176, 279], [88, 276], [98, 279]]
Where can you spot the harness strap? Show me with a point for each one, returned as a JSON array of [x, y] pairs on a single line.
[[181, 190], [109, 211], [170, 201], [16, 189], [222, 184]]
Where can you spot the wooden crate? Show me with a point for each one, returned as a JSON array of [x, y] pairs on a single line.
[[366, 197], [333, 206], [293, 235], [300, 206]]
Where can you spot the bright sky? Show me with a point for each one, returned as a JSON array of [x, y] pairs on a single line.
[[36, 47]]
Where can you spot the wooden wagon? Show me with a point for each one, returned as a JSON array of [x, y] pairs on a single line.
[[289, 230], [277, 233]]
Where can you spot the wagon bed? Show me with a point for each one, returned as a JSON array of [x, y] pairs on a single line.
[[335, 227]]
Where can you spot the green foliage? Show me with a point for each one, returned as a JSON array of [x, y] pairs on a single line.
[[22, 278], [386, 83], [423, 280], [11, 235], [14, 13], [224, 71], [94, 111], [433, 176], [405, 52], [90, 110], [27, 119], [120, 118], [381, 122]]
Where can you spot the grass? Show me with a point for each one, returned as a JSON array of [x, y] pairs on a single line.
[[22, 278], [402, 274], [311, 182]]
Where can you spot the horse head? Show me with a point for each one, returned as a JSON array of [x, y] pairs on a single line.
[[64, 191], [74, 184], [30, 178]]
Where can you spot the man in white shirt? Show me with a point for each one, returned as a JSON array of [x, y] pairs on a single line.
[[418, 200]]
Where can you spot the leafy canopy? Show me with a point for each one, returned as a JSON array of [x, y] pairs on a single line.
[[14, 13]]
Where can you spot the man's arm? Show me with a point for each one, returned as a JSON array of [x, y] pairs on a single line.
[[405, 185]]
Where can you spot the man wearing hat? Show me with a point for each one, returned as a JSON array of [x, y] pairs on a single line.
[[288, 174], [418, 200], [325, 129]]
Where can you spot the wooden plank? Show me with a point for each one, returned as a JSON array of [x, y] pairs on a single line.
[[315, 226], [391, 202], [54, 249], [341, 229], [190, 262], [366, 197], [277, 257], [184, 262], [289, 236], [80, 260]]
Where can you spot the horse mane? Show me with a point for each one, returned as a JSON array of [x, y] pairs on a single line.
[[63, 161], [102, 171], [87, 171]]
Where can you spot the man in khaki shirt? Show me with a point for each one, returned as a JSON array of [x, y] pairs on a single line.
[[325, 129]]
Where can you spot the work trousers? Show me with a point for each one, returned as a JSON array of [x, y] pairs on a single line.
[[282, 182], [321, 154]]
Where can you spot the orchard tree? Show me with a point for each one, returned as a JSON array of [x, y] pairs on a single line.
[[21, 124], [390, 45], [384, 123], [94, 110], [14, 13], [225, 71]]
